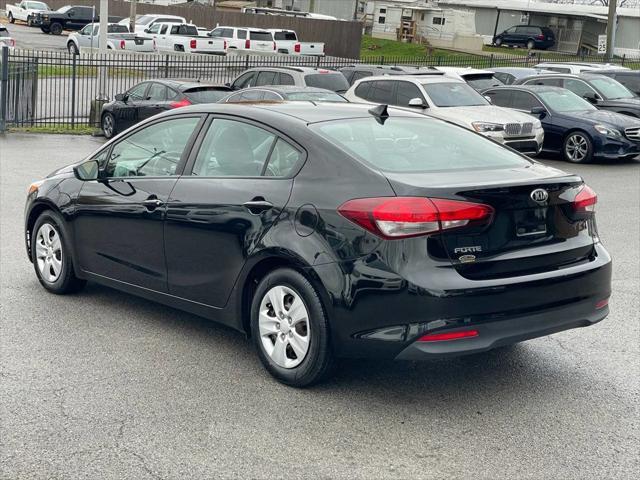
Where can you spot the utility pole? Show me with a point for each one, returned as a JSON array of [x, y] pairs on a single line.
[[132, 15], [102, 47], [611, 28]]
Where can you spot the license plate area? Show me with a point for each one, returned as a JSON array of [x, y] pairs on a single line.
[[531, 222]]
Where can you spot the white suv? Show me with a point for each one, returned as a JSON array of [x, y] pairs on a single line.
[[249, 38], [453, 100]]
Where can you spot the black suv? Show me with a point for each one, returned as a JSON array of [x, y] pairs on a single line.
[[354, 73], [526, 35], [69, 17], [602, 91]]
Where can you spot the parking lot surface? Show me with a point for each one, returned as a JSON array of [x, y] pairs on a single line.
[[105, 385], [34, 38]]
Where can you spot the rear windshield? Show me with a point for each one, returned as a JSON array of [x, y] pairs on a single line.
[[117, 28], [482, 81], [415, 145], [266, 36], [184, 30], [205, 94], [562, 101], [316, 96], [453, 95], [329, 81], [284, 36]]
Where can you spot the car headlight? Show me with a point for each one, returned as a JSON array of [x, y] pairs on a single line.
[[537, 124], [487, 127], [609, 132]]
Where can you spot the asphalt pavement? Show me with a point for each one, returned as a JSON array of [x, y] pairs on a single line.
[[34, 38], [106, 385]]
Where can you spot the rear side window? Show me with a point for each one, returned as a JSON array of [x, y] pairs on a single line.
[[405, 92], [552, 82], [242, 34], [505, 78], [330, 81], [399, 145], [501, 98], [363, 89], [244, 81], [360, 74], [157, 92], [164, 28], [286, 79], [284, 160], [381, 92]]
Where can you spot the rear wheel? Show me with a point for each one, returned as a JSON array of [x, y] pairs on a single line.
[[51, 255], [10, 17], [290, 329], [578, 148], [56, 28], [108, 125], [531, 44]]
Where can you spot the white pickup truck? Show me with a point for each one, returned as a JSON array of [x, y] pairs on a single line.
[[118, 38], [184, 37], [287, 42], [251, 40], [25, 11]]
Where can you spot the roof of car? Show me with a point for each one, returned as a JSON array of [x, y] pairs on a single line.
[[287, 89], [463, 70], [294, 69], [185, 84], [528, 88], [304, 111], [522, 70], [414, 78]]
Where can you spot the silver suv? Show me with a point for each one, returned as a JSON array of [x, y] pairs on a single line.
[[453, 100], [298, 76]]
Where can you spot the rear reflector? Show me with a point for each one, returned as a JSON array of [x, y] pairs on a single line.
[[402, 217], [443, 337], [602, 304], [247, 44], [585, 200]]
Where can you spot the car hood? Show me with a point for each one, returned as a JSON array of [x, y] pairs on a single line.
[[623, 102], [481, 113], [612, 118]]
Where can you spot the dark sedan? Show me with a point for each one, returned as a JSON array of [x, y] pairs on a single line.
[[284, 92], [603, 92], [154, 96], [572, 125], [329, 236]]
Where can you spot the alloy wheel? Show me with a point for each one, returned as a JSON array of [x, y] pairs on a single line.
[[576, 148], [49, 252], [107, 125], [283, 322]]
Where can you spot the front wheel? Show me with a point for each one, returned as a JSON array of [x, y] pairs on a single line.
[[108, 125], [290, 329], [29, 21], [578, 148], [56, 28], [498, 42], [51, 255], [11, 19]]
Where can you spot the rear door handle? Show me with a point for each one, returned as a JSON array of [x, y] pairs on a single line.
[[152, 203], [256, 207]]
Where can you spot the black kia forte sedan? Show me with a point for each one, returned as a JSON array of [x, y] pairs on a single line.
[[327, 230]]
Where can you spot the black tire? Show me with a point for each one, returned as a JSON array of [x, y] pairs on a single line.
[[319, 359], [66, 282], [11, 19], [531, 45], [108, 124], [498, 42], [56, 28], [73, 50], [577, 147]]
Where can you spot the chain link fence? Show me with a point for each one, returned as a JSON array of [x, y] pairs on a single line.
[[50, 88]]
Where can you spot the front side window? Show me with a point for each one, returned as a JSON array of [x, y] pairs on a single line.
[[399, 145], [564, 101], [381, 92], [524, 101], [611, 89], [137, 92], [88, 30], [216, 33], [453, 95], [578, 87], [154, 151], [501, 98], [164, 28], [233, 149], [407, 91], [155, 28], [157, 92]]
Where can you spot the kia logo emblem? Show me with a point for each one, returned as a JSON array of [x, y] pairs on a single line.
[[539, 195]]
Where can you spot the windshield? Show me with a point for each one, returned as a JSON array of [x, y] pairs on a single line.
[[64, 9], [285, 36], [563, 101], [205, 94], [316, 96], [329, 81], [37, 5], [482, 82], [610, 88], [144, 20], [266, 36], [453, 95], [401, 145]]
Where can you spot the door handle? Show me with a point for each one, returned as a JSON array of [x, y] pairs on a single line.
[[152, 203], [258, 205]]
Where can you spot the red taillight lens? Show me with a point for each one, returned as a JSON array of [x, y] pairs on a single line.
[[586, 200], [602, 303], [122, 44], [540, 37], [193, 43], [247, 44], [225, 44], [274, 46], [443, 337], [402, 217], [180, 103], [297, 48]]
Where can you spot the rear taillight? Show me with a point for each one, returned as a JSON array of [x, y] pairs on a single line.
[[402, 217], [540, 37], [122, 43], [297, 48], [193, 44], [274, 46], [180, 103], [585, 200], [225, 45], [443, 337], [247, 44]]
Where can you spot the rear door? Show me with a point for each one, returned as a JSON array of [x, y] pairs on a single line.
[[155, 101], [238, 182]]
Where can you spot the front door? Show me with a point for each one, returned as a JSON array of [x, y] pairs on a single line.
[[239, 184], [127, 112], [119, 218]]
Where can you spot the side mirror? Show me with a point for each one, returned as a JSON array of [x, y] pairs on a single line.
[[227, 85], [591, 97], [87, 171], [488, 99], [417, 103], [147, 30], [120, 97], [539, 111]]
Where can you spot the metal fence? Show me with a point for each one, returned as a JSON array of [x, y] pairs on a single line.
[[50, 88]]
